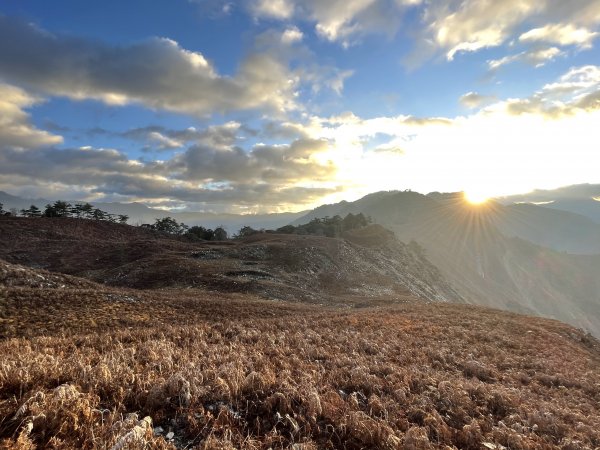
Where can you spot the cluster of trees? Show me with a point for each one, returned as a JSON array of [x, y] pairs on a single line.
[[64, 209], [327, 226], [4, 212], [208, 234], [171, 226]]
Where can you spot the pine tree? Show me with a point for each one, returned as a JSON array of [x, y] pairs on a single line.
[[221, 234], [62, 208], [87, 210], [32, 211]]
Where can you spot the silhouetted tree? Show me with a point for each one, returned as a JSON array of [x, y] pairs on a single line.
[[123, 218], [49, 211], [328, 226], [199, 232], [32, 211], [2, 209], [287, 229], [98, 214], [76, 210], [169, 225], [87, 210], [58, 209], [220, 234], [246, 231]]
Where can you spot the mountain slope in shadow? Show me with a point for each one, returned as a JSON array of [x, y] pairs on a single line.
[[486, 266]]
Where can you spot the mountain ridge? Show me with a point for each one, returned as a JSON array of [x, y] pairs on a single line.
[[140, 213], [486, 266]]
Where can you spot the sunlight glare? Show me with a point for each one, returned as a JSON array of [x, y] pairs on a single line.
[[476, 198]]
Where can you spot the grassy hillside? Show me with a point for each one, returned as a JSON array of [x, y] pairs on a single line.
[[272, 341], [90, 366], [367, 263]]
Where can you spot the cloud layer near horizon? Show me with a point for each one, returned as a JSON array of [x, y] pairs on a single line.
[[329, 157], [283, 153]]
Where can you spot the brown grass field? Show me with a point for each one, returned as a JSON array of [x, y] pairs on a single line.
[[89, 366]]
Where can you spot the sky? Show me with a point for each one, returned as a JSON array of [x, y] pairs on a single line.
[[261, 106]]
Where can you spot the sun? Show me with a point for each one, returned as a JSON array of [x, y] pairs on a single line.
[[476, 198]]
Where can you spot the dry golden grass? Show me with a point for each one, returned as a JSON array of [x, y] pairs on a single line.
[[89, 366], [234, 372]]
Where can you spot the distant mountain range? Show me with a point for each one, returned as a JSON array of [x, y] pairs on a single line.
[[510, 253], [139, 213], [583, 199], [489, 253]]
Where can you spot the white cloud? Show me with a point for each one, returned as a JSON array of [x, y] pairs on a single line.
[[15, 127], [163, 141], [459, 26], [157, 73], [291, 35], [217, 169], [447, 26], [546, 140], [475, 24], [474, 100], [308, 71], [535, 57], [560, 34], [275, 9], [342, 21], [576, 92]]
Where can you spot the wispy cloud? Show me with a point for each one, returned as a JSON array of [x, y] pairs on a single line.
[[453, 27], [536, 57], [560, 34], [474, 100], [339, 21]]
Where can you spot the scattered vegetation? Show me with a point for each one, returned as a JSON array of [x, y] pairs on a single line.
[[328, 226], [89, 366], [181, 369], [61, 208], [167, 225], [368, 264]]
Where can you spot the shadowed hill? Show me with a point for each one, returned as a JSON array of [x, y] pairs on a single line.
[[582, 199], [369, 265], [559, 230], [482, 263]]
